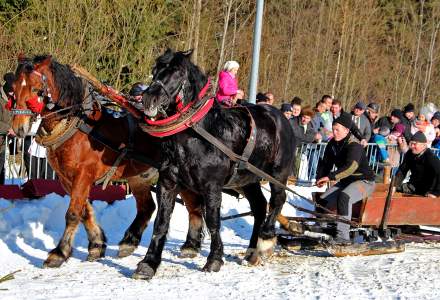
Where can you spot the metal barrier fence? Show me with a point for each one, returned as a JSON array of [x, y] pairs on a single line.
[[308, 156], [24, 160], [21, 165]]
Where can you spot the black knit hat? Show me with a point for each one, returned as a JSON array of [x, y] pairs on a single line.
[[286, 107], [409, 108], [436, 116], [261, 98], [419, 137], [345, 120], [373, 106], [397, 113]]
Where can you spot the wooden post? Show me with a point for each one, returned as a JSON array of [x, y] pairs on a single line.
[[386, 174]]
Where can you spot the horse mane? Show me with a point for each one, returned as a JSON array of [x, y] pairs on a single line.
[[70, 87], [196, 77]]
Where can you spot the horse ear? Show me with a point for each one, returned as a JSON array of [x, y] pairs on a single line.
[[188, 53], [46, 61]]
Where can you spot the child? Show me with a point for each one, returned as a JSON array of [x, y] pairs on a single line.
[[381, 141]]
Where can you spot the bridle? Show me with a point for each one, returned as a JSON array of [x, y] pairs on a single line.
[[36, 103], [178, 98]]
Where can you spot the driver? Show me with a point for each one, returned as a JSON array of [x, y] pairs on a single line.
[[355, 179]]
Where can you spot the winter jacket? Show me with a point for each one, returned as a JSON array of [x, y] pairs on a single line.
[[425, 172], [363, 125], [227, 86], [350, 160], [5, 119], [307, 136]]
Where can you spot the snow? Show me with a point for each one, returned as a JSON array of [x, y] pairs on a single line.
[[31, 228]]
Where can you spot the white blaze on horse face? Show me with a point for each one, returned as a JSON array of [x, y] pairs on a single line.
[[23, 83]]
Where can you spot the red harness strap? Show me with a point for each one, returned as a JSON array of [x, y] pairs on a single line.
[[166, 131], [180, 108]]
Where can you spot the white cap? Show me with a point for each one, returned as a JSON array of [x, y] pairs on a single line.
[[231, 64]]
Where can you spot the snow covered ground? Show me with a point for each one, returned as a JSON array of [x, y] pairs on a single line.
[[29, 229]]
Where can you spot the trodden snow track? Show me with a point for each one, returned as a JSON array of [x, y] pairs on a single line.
[[28, 231]]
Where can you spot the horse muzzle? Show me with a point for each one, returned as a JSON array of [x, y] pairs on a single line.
[[151, 112]]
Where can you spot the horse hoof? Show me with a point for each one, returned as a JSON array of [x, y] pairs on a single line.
[[96, 253], [143, 272], [252, 258], [266, 247], [125, 250], [188, 252], [54, 261], [213, 266]]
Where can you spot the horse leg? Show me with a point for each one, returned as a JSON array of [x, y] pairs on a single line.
[[192, 245], [267, 237], [145, 207], [258, 205], [215, 257], [74, 214], [95, 234], [166, 198]]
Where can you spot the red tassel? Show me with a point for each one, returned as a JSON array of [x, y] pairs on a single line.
[[34, 105]]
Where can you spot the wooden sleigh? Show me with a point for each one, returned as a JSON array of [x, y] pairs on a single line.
[[404, 209]]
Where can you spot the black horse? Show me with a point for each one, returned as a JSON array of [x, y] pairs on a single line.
[[194, 163]]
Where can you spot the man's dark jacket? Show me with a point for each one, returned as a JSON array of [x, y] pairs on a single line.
[[350, 159], [298, 130], [425, 172]]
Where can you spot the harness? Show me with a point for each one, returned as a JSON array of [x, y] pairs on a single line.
[[68, 126], [240, 165], [187, 115]]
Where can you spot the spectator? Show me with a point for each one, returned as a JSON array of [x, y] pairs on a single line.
[[262, 99], [296, 110], [381, 141], [372, 114], [361, 122], [436, 141], [270, 97], [335, 109], [227, 83], [397, 136], [424, 167], [435, 120], [296, 101], [6, 95], [421, 124], [302, 128], [286, 109], [317, 121], [326, 115], [408, 120]]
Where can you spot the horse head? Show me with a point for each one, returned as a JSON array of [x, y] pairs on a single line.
[[176, 82], [41, 85]]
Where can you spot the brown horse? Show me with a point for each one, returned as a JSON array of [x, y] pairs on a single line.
[[51, 89]]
